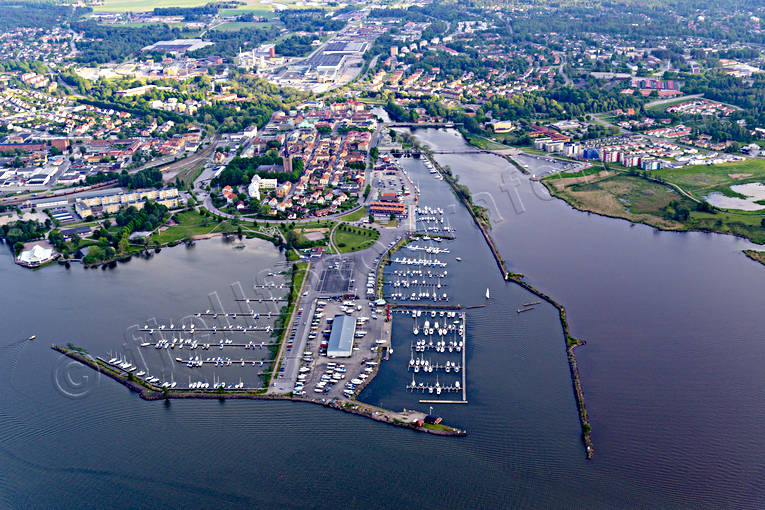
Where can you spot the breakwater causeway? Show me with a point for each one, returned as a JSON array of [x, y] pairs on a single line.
[[148, 392], [571, 342]]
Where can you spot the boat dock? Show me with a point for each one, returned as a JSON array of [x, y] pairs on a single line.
[[452, 388], [401, 307], [249, 315], [223, 362], [261, 300], [225, 329]]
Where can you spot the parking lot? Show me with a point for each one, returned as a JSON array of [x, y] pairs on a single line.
[[337, 277], [330, 377]]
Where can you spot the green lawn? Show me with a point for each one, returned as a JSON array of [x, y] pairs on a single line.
[[435, 426], [581, 173], [348, 238], [355, 215], [233, 26], [663, 107], [284, 227], [190, 223], [484, 143]]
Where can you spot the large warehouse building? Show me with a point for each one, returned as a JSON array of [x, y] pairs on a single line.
[[341, 338]]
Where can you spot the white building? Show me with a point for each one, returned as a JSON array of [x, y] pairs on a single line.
[[257, 184], [36, 256]]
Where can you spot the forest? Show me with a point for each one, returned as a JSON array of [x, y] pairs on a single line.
[[40, 14], [310, 20], [111, 43], [295, 46]]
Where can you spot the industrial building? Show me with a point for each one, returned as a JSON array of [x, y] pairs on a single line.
[[328, 66], [341, 338], [177, 45]]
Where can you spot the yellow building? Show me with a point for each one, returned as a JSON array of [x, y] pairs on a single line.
[[504, 126], [112, 203]]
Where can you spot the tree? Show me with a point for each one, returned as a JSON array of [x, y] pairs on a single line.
[[18, 248]]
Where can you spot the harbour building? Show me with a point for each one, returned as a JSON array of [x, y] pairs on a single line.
[[341, 338]]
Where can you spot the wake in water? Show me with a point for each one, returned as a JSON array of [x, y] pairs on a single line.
[[10, 353]]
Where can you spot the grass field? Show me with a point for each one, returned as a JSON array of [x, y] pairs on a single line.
[[355, 215], [663, 107], [702, 180], [642, 201], [233, 26], [485, 143], [618, 195], [348, 238], [190, 223], [284, 227]]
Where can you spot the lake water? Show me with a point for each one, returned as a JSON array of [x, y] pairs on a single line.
[[753, 191], [672, 375]]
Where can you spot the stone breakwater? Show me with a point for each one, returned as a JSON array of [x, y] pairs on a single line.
[[149, 392]]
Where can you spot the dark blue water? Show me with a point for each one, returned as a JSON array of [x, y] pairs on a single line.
[[672, 371], [671, 374]]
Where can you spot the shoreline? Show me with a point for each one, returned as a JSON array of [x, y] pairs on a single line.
[[757, 256], [684, 229], [152, 393], [571, 342]]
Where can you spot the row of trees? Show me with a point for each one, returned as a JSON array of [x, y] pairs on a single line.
[[21, 231], [148, 178]]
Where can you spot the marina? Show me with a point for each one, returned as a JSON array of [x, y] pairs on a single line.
[[246, 336], [439, 333]]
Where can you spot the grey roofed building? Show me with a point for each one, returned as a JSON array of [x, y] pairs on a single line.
[[327, 60], [341, 338]]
